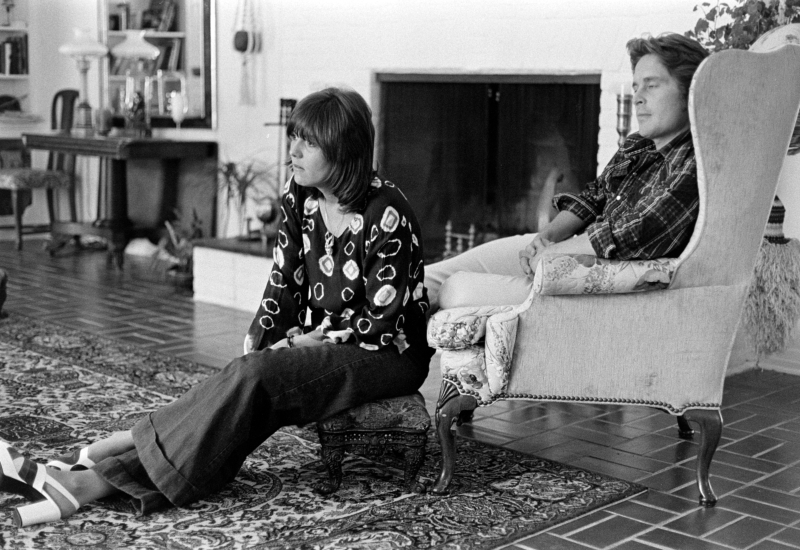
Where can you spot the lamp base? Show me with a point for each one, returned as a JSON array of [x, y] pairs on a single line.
[[83, 120]]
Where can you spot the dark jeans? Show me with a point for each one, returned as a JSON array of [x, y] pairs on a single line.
[[195, 445]]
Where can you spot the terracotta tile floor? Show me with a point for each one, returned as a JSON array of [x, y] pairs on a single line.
[[756, 471]]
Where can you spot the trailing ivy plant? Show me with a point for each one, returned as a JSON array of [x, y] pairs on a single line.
[[738, 24]]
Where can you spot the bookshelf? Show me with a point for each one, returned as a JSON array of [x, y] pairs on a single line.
[[187, 45], [162, 22], [14, 50], [14, 80]]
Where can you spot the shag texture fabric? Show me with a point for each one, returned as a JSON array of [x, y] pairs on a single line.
[[61, 389], [773, 302]]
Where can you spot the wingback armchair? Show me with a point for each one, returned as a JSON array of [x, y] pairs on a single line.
[[655, 333]]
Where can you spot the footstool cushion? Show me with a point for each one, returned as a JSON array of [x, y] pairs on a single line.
[[396, 424]]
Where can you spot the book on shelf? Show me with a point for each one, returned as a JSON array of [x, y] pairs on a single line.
[[174, 55], [168, 9], [14, 55]]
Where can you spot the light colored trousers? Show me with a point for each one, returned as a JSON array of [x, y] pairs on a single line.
[[488, 274]]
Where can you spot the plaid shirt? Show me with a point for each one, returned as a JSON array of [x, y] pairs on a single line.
[[645, 203]]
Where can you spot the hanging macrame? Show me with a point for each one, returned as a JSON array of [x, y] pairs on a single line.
[[247, 41], [772, 307]]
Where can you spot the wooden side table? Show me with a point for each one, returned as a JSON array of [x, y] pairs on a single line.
[[117, 228]]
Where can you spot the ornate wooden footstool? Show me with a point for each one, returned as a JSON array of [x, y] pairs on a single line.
[[399, 424]]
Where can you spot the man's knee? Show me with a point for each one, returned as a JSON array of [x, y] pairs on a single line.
[[465, 289]]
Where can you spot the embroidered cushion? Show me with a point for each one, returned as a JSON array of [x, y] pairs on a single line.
[[406, 412], [468, 367], [460, 327], [560, 274]]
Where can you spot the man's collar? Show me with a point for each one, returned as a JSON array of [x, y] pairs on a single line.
[[636, 144]]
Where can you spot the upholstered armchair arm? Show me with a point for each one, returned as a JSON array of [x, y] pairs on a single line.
[[460, 327], [562, 274]]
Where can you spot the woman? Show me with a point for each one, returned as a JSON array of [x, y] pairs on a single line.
[[342, 322]]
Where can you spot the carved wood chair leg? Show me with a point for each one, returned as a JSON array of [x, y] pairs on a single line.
[[414, 457], [332, 458], [710, 433], [51, 206], [448, 410], [18, 200], [685, 431]]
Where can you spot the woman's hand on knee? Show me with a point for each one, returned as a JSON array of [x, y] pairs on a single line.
[[248, 344]]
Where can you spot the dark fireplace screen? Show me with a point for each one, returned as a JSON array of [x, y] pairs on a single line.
[[487, 154]]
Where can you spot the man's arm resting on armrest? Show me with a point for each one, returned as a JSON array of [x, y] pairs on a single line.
[[556, 237]]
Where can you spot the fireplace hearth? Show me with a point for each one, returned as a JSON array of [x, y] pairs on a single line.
[[486, 150]]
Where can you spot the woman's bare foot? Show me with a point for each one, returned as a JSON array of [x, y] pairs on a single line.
[[115, 444], [84, 459]]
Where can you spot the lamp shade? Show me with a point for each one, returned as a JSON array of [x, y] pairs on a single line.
[[83, 45], [135, 47]]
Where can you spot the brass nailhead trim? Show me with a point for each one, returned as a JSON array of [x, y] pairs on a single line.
[[601, 400]]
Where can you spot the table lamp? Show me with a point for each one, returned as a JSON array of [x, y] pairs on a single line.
[[137, 81], [83, 48]]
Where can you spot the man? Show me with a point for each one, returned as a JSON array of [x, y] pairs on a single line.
[[644, 204]]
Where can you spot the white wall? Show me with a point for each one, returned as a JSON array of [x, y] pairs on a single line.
[[309, 44]]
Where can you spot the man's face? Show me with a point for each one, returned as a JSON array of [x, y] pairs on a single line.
[[661, 109]]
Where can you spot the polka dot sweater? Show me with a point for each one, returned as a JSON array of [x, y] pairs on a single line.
[[364, 288]]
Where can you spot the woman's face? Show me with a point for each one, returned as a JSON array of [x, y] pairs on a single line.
[[310, 167]]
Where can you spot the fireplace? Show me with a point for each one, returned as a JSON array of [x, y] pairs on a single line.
[[486, 149]]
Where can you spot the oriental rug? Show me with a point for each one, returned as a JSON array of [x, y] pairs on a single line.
[[60, 389]]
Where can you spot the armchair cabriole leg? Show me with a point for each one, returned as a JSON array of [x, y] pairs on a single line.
[[448, 411], [710, 433], [685, 431]]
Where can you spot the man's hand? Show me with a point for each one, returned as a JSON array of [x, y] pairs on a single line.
[[529, 256]]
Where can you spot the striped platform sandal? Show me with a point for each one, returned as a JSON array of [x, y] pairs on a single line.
[[75, 462], [29, 481]]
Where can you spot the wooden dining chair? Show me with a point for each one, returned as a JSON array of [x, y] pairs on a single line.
[[59, 174]]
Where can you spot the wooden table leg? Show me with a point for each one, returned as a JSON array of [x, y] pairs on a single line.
[[118, 210]]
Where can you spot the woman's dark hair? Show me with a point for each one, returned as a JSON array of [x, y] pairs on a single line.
[[339, 122], [679, 54]]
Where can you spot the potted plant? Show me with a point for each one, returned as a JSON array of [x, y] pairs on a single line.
[[176, 249], [739, 24], [250, 182]]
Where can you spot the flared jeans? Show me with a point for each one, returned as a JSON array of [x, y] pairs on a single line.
[[197, 444]]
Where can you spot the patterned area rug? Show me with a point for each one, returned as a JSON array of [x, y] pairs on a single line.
[[60, 389]]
